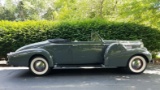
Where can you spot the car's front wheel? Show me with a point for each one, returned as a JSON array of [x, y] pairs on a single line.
[[137, 64], [39, 66]]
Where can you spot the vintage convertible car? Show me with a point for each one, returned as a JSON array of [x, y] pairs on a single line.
[[43, 56]]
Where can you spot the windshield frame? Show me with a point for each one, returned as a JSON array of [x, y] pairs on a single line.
[[96, 37]]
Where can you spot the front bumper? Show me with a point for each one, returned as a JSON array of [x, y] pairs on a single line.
[[148, 55]]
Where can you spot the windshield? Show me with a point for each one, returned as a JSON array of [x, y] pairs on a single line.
[[96, 37]]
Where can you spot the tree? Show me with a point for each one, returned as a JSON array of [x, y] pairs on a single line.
[[49, 15], [142, 11], [7, 13], [145, 12], [101, 8], [21, 12]]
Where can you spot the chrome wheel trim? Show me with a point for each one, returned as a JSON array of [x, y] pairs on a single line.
[[39, 66], [137, 64]]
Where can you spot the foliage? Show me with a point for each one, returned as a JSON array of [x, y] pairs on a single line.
[[16, 34], [146, 12], [157, 56]]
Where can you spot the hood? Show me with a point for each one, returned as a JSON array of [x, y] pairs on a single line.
[[125, 42], [34, 45], [129, 44]]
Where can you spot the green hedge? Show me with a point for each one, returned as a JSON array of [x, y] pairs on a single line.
[[16, 34]]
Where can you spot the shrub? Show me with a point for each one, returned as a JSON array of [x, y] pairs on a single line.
[[16, 34]]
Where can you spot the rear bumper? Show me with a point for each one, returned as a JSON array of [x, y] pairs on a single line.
[[9, 56], [16, 59]]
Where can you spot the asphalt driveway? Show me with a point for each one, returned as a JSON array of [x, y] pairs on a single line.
[[80, 79]]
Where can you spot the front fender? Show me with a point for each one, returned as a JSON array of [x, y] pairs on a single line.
[[118, 57], [143, 52], [115, 55], [22, 58]]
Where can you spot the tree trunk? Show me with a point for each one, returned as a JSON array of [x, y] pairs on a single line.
[[101, 8], [115, 6]]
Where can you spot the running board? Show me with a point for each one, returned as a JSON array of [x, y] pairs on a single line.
[[78, 66]]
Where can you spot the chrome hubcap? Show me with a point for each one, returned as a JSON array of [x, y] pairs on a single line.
[[39, 66], [137, 64]]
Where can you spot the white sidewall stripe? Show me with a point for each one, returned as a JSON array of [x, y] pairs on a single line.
[[143, 63], [33, 69]]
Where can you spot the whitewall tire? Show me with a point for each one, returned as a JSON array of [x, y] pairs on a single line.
[[137, 64], [39, 66]]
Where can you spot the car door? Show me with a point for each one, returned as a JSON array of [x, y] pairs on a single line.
[[62, 53], [86, 52]]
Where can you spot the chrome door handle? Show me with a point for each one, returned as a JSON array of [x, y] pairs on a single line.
[[74, 45]]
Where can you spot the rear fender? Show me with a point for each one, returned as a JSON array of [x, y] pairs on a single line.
[[22, 58], [44, 53]]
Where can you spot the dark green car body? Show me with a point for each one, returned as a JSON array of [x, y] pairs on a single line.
[[62, 52]]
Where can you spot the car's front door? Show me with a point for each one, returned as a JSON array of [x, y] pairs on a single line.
[[87, 52]]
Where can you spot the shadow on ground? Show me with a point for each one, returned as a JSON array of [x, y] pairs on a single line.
[[78, 72]]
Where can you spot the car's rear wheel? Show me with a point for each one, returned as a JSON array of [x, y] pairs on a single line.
[[137, 64], [39, 66]]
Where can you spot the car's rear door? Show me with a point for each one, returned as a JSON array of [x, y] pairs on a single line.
[[62, 53]]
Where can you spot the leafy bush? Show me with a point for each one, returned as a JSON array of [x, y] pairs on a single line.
[[16, 34]]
